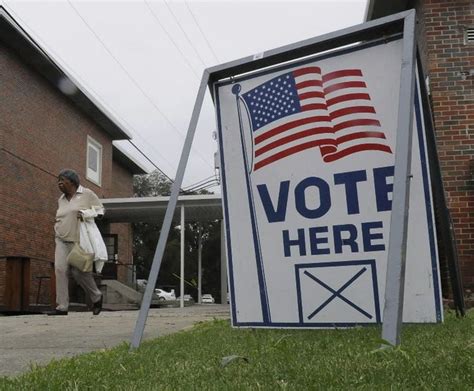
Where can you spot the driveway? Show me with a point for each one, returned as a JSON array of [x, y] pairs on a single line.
[[40, 338]]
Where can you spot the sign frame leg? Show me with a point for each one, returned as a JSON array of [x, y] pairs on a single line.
[[165, 228], [395, 278]]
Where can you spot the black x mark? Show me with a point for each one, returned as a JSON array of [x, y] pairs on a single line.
[[338, 293]]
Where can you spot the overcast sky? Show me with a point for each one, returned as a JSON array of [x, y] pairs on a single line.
[[143, 60]]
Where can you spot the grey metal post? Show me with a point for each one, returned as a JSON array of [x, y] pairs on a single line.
[[395, 278], [223, 266], [181, 263], [199, 266], [165, 228]]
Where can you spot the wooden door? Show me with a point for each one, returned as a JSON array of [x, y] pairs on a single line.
[[17, 289]]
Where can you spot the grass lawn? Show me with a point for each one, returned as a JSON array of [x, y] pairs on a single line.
[[431, 357]]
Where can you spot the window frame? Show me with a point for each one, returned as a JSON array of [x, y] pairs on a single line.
[[468, 35], [91, 175]]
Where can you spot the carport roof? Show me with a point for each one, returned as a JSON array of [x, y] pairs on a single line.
[[152, 209]]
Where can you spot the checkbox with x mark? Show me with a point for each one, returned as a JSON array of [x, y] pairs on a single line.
[[338, 293]]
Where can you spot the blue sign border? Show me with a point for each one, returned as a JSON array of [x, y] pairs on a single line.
[[427, 193]]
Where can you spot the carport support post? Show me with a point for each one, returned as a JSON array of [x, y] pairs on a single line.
[[397, 250], [223, 267], [181, 268], [165, 228], [200, 265]]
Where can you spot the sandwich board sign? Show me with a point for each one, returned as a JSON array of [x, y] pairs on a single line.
[[314, 187], [307, 153]]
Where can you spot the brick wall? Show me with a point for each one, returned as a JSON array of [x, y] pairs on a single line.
[[41, 132], [445, 55]]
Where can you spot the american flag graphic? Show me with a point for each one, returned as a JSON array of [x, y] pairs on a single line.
[[306, 109]]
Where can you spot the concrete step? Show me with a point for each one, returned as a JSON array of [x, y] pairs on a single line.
[[117, 293]]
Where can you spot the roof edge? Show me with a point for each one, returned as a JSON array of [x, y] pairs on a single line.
[[15, 37], [127, 161]]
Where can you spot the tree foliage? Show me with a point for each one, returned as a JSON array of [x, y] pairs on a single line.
[[151, 185]]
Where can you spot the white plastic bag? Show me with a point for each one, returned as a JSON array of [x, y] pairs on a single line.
[[91, 241]]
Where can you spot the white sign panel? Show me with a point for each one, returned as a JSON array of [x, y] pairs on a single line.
[[307, 156]]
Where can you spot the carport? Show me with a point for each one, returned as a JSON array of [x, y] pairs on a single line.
[[196, 208]]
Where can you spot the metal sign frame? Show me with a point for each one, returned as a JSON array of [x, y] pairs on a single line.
[[403, 22]]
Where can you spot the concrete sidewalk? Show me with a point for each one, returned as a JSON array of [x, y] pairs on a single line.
[[40, 338]]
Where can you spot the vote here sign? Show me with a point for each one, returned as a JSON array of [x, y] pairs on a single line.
[[307, 156]]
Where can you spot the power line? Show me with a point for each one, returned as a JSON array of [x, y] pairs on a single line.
[[199, 182], [184, 33], [211, 186], [213, 180], [30, 163], [149, 160], [202, 32], [91, 90], [205, 185], [132, 79], [208, 186], [172, 40]]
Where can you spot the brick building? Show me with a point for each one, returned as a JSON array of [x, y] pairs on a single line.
[[46, 124], [445, 35]]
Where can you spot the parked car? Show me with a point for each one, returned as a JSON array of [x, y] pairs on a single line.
[[186, 298], [164, 295], [207, 299]]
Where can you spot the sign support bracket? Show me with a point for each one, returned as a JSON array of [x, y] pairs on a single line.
[[395, 278]]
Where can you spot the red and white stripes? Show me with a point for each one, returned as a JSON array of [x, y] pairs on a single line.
[[336, 115]]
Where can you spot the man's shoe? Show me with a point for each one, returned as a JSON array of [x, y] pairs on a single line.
[[56, 312], [97, 307]]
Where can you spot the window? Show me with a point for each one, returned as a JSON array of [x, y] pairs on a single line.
[[94, 161], [468, 35]]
